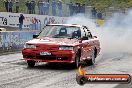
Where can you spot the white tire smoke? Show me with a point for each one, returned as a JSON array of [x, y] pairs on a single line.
[[115, 35]]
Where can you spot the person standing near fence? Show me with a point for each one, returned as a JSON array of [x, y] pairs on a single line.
[[54, 8], [74, 7], [59, 4], [21, 18], [30, 8], [38, 6], [78, 8], [41, 7], [34, 24], [7, 5], [47, 7], [94, 12], [27, 5], [83, 8], [17, 6], [33, 4], [44, 7], [70, 8], [10, 5]]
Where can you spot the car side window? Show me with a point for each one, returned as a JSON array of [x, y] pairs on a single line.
[[84, 34], [87, 33]]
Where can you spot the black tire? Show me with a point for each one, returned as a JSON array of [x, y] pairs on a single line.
[[92, 60], [76, 64], [31, 64]]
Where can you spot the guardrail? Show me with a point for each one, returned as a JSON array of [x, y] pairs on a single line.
[[13, 41]]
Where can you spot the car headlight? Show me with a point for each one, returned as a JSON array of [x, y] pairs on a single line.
[[66, 48], [29, 46]]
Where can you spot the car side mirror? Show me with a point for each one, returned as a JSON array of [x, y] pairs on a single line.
[[84, 38], [94, 36], [35, 36]]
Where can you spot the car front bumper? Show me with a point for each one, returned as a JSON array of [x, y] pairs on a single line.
[[56, 56]]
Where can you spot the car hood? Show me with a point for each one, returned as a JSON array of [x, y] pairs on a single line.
[[56, 41]]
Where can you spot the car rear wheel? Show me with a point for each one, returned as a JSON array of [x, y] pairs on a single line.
[[76, 64], [31, 63]]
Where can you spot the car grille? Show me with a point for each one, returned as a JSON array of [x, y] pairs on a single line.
[[52, 57], [46, 57], [29, 56], [44, 47]]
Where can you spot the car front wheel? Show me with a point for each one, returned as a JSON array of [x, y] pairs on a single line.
[[76, 64], [31, 63]]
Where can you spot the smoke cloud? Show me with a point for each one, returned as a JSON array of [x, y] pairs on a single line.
[[115, 35]]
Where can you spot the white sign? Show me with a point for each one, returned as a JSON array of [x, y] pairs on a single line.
[[12, 19]]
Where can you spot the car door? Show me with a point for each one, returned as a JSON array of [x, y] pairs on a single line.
[[85, 44], [90, 43]]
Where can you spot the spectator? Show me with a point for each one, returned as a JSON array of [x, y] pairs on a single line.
[[33, 4], [59, 8], [74, 6], [99, 15], [34, 24], [27, 5], [94, 12], [10, 5], [83, 8], [30, 8], [47, 7], [6, 5], [44, 7], [21, 18], [78, 8], [71, 8], [54, 8], [17, 6], [40, 6]]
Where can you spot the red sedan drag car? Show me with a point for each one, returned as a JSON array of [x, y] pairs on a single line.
[[62, 43]]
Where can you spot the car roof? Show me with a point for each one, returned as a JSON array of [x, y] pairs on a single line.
[[73, 25]]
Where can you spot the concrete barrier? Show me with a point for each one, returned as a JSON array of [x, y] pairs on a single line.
[[12, 41]]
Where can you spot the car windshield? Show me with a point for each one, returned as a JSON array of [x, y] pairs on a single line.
[[60, 32]]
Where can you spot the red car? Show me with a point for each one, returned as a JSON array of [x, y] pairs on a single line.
[[62, 43]]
